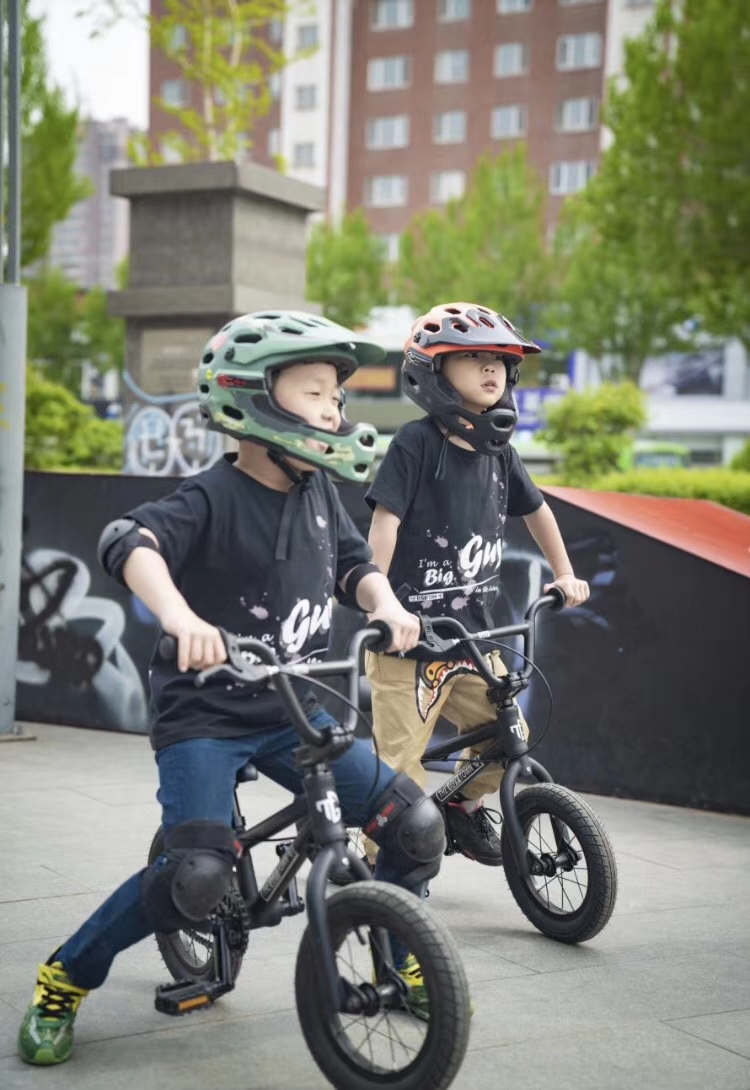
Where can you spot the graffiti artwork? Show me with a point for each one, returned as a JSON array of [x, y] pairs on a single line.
[[72, 641], [166, 437]]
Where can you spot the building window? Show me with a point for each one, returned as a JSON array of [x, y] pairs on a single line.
[[304, 155], [387, 73], [578, 114], [274, 143], [392, 14], [447, 185], [388, 132], [449, 127], [306, 96], [274, 84], [453, 11], [452, 66], [179, 38], [513, 7], [275, 30], [508, 122], [575, 3], [579, 51], [174, 92], [511, 59], [307, 36], [391, 247], [570, 177], [387, 191]]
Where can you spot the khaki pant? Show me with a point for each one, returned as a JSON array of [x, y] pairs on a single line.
[[408, 697]]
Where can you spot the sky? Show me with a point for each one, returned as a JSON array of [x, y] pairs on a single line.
[[107, 76]]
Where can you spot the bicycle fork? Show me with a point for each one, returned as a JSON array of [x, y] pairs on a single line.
[[329, 832]]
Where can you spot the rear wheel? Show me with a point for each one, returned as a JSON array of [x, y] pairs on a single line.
[[573, 895], [390, 1047], [190, 955]]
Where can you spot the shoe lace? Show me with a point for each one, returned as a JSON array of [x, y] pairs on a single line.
[[485, 819], [56, 1003]]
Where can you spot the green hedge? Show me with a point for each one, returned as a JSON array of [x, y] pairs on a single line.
[[731, 488]]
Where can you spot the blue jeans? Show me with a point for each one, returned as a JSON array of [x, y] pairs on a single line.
[[196, 781]]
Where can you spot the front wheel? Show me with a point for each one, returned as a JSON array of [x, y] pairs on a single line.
[[572, 896], [390, 1047]]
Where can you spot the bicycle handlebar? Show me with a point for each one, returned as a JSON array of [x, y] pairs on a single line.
[[377, 636], [437, 645]]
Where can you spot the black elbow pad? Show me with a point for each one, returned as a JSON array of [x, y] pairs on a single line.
[[118, 540]]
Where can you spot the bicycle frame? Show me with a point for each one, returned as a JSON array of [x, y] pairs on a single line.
[[505, 734]]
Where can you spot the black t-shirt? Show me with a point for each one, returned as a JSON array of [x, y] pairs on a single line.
[[217, 534], [448, 551]]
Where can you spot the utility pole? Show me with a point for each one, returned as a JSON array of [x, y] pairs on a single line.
[[13, 309]]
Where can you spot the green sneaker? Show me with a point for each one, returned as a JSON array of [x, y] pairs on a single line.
[[46, 1034], [417, 1001]]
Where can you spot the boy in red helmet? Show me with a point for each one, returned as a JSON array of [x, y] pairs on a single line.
[[441, 498]]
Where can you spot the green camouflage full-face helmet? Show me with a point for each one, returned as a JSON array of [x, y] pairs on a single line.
[[235, 386]]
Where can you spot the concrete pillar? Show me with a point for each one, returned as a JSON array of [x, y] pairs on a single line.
[[208, 241]]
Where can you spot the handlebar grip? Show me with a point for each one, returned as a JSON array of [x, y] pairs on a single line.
[[557, 592], [168, 648], [386, 637]]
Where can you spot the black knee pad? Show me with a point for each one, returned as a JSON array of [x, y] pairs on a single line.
[[185, 885], [409, 827]]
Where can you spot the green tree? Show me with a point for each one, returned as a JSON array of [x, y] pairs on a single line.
[[614, 300], [591, 431], [67, 326], [62, 433], [673, 192], [225, 51], [346, 269], [49, 143], [488, 247], [741, 460]]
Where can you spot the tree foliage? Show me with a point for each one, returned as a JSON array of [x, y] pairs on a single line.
[[224, 50], [592, 430], [67, 326], [63, 433], [668, 215], [346, 269], [489, 246], [49, 144]]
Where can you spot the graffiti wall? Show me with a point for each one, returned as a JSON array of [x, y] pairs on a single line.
[[650, 700], [165, 436]]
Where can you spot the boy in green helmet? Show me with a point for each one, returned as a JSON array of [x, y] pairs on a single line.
[[258, 544]]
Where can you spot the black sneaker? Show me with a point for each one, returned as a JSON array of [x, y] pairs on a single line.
[[474, 835]]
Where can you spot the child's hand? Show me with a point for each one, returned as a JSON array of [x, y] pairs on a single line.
[[575, 590], [199, 643], [404, 626]]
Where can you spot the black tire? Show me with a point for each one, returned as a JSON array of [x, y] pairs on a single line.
[[189, 955], [436, 1046], [572, 905]]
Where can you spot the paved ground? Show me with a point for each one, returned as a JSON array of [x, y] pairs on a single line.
[[659, 1001]]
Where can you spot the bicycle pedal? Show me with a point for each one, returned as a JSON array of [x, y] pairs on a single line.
[[184, 997]]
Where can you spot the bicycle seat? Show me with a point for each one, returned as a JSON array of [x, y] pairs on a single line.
[[247, 773]]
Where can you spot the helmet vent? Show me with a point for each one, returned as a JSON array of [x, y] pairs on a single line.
[[248, 338], [367, 440], [229, 410], [460, 326], [452, 310], [486, 321], [288, 329], [433, 327], [208, 357], [204, 389]]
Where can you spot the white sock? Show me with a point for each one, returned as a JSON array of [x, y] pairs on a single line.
[[470, 804]]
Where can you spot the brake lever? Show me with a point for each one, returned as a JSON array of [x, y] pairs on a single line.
[[431, 638]]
